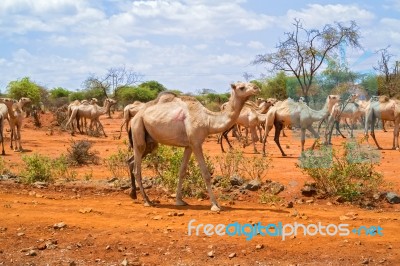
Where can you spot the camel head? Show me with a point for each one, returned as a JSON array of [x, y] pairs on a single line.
[[244, 90], [110, 101], [93, 101], [25, 100], [353, 97]]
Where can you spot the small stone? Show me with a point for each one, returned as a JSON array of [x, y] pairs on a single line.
[[300, 201], [253, 185], [21, 234], [125, 262], [232, 255], [309, 201], [236, 180], [329, 203], [274, 187], [293, 237], [85, 210], [344, 218], [309, 190], [31, 253], [59, 225], [72, 263], [108, 247], [172, 214], [211, 254], [365, 261], [289, 204], [259, 246], [157, 217], [393, 198], [180, 214]]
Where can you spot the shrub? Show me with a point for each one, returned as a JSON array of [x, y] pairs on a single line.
[[229, 165], [255, 168], [167, 161], [117, 163], [37, 168], [348, 172], [79, 153]]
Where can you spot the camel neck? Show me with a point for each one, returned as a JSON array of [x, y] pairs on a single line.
[[323, 113], [224, 120]]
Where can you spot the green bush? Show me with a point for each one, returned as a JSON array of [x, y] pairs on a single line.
[[37, 168], [348, 172], [228, 165], [166, 161], [116, 163]]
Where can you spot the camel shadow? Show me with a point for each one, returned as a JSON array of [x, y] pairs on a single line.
[[207, 208]]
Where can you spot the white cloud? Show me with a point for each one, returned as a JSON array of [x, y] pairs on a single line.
[[255, 45], [316, 15]]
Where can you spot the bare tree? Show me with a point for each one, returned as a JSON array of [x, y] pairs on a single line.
[[115, 79], [304, 50], [390, 74]]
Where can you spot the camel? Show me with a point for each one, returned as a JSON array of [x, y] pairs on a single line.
[[93, 112], [184, 122], [348, 110], [15, 116], [384, 108], [3, 115], [296, 114], [130, 111], [251, 116]]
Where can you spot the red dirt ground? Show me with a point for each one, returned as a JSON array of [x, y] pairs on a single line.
[[104, 226]]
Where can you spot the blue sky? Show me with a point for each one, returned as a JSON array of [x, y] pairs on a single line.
[[185, 45]]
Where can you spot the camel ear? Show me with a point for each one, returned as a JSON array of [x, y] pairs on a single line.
[[233, 86]]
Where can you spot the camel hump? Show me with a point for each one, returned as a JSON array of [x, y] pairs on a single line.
[[165, 96], [383, 99]]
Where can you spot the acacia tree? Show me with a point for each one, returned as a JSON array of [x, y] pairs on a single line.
[[389, 81], [115, 79], [304, 50]]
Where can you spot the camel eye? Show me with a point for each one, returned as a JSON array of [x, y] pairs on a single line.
[[241, 88]]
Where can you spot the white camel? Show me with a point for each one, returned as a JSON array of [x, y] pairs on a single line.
[[298, 115], [130, 111]]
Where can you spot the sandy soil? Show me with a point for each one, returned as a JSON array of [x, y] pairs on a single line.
[[103, 226]]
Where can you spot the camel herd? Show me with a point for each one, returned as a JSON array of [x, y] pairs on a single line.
[[184, 122]]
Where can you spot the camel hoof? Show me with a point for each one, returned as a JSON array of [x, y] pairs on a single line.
[[256, 152], [215, 208], [379, 148], [284, 155], [133, 194], [149, 204], [181, 203]]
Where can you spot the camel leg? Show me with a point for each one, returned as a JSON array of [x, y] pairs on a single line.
[[131, 163], [283, 132], [320, 124], [182, 173], [254, 138], [267, 130], [373, 135], [383, 126], [198, 152], [316, 136], [2, 135], [278, 128], [138, 176], [120, 130], [101, 127], [303, 138]]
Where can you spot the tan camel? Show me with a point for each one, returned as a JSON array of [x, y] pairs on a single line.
[[3, 115], [381, 108], [342, 111], [183, 122], [15, 116], [296, 114], [93, 112], [130, 111], [251, 116]]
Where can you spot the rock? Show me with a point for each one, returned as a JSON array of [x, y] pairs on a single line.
[[339, 199], [259, 246], [31, 253], [85, 210], [125, 262], [72, 263], [59, 225], [40, 184], [344, 218], [365, 261], [211, 254], [274, 187], [112, 180], [180, 213], [236, 180], [309, 190], [21, 234], [392, 198], [310, 201], [172, 214], [253, 185], [232, 255], [157, 217], [289, 204], [300, 201]]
